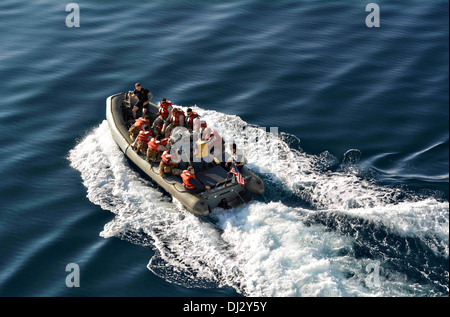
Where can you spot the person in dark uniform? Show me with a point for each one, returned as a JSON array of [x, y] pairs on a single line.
[[144, 96], [237, 158], [191, 184]]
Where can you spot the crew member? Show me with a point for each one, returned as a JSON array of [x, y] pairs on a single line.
[[168, 165], [236, 158], [191, 184], [191, 119], [203, 126], [142, 140], [201, 154], [144, 96], [199, 128], [156, 146], [134, 130], [164, 114], [176, 120], [216, 145]]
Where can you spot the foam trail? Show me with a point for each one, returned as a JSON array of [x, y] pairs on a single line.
[[280, 256], [344, 190], [302, 173], [264, 249], [146, 217]]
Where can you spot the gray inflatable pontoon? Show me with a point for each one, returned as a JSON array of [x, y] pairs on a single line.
[[224, 188]]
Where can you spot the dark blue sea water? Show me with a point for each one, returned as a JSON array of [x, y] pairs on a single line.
[[357, 192]]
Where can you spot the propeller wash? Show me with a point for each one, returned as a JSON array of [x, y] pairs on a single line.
[[322, 232]]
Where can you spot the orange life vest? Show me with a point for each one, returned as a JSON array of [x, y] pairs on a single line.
[[154, 143], [164, 109], [140, 122], [176, 117], [144, 136], [186, 176], [166, 159], [190, 119]]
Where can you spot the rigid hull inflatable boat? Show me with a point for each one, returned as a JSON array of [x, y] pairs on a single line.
[[225, 191]]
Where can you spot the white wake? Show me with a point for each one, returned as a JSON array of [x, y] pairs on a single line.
[[261, 249]]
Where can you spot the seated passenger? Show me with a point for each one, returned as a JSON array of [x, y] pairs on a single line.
[[198, 131], [176, 120], [156, 146], [237, 159], [203, 126], [164, 114], [215, 142], [134, 130], [168, 165], [191, 184], [142, 140], [192, 118]]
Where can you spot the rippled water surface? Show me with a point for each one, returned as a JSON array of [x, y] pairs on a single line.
[[360, 179]]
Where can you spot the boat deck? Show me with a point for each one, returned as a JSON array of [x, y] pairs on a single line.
[[213, 176], [224, 192]]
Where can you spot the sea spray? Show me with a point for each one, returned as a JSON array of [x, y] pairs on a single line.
[[272, 249]]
